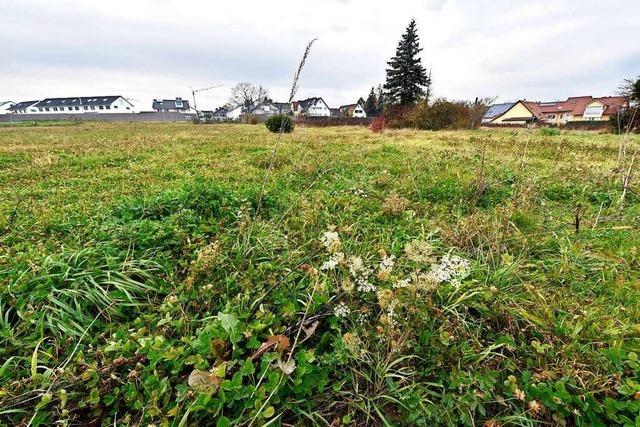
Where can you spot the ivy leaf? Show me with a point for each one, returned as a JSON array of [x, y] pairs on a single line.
[[228, 321], [287, 367]]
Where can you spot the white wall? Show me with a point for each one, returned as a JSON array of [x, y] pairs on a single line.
[[235, 113], [359, 111], [120, 105], [319, 109], [4, 108]]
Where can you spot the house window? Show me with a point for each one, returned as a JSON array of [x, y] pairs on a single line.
[[55, 108], [108, 107], [93, 108], [115, 106], [101, 107], [77, 108], [70, 108], [86, 108], [593, 112], [46, 109], [39, 109]]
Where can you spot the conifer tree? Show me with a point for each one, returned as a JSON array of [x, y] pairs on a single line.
[[380, 101], [407, 79], [370, 104]]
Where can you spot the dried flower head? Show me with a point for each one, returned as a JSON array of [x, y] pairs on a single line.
[[347, 285], [394, 205], [419, 251], [385, 297], [351, 341]]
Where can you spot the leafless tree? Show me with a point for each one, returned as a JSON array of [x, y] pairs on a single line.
[[247, 94]]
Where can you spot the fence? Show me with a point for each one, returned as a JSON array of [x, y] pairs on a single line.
[[332, 121], [110, 117]]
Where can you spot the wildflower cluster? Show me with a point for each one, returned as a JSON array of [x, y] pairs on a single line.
[[331, 241], [451, 269], [335, 259]]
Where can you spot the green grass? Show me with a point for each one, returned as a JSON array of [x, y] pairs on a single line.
[[177, 275]]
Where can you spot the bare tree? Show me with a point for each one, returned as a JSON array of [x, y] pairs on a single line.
[[247, 94]]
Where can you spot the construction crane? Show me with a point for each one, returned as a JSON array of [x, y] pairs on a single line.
[[194, 91]]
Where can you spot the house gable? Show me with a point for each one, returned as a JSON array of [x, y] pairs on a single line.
[[519, 113]]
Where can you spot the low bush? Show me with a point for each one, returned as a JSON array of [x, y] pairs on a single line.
[[279, 123], [438, 115], [548, 131], [377, 125]]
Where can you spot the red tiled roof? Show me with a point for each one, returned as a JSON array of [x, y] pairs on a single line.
[[534, 108], [577, 104]]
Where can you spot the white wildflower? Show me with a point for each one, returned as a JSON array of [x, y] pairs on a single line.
[[363, 285], [331, 241], [357, 267], [451, 268], [334, 260], [362, 317], [402, 283], [329, 265], [391, 313], [341, 310], [387, 263]]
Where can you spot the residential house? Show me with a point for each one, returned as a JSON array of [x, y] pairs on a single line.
[[582, 108], [264, 108], [5, 106], [353, 110], [234, 113], [314, 107], [335, 112], [574, 109], [178, 105], [283, 107], [81, 105], [25, 107], [519, 113], [220, 114], [496, 110]]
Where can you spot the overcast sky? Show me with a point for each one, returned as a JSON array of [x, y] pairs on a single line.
[[145, 49]]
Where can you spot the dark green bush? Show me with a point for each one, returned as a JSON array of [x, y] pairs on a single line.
[[280, 123]]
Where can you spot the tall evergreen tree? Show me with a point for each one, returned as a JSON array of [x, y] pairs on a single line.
[[407, 79], [370, 104], [380, 101]]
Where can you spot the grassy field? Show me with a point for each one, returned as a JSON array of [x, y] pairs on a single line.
[[173, 274]]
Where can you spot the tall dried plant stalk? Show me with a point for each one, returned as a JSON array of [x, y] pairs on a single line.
[[294, 89]]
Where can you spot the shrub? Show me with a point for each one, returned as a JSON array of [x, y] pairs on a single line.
[[377, 125], [548, 131], [279, 123], [441, 114], [626, 120]]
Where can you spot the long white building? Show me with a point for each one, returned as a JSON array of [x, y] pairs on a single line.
[[77, 105]]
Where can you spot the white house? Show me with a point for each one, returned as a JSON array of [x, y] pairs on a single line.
[[76, 105], [235, 112], [314, 107], [171, 105], [265, 108], [5, 106], [24, 107], [353, 110]]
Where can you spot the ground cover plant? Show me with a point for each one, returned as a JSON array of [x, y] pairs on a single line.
[[172, 274]]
